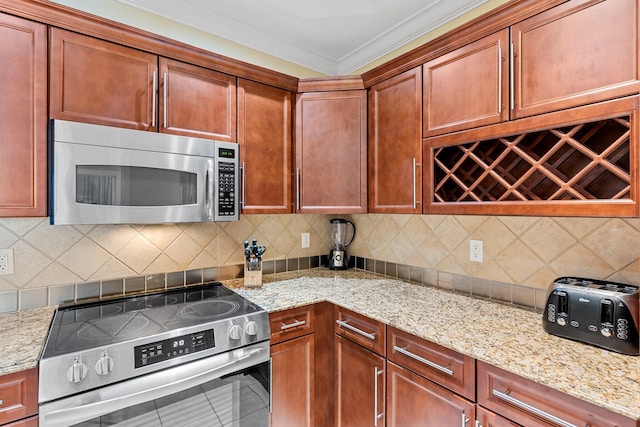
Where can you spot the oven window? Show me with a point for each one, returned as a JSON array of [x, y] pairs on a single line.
[[134, 186], [237, 400]]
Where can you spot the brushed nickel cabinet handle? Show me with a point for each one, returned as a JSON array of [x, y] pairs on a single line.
[[532, 409], [164, 94], [376, 415], [295, 324], [512, 58], [153, 99], [415, 198], [477, 424], [242, 177], [499, 78], [465, 420], [356, 330], [420, 359], [297, 189]]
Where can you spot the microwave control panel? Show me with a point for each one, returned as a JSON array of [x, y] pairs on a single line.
[[226, 198]]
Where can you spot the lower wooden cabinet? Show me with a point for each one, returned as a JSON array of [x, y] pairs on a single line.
[[360, 385], [534, 405], [292, 387], [415, 401], [19, 397], [27, 422]]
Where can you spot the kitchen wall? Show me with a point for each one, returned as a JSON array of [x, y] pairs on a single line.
[[527, 252]]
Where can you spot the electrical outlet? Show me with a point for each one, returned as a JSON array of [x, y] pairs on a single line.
[[6, 261], [475, 250], [305, 240]]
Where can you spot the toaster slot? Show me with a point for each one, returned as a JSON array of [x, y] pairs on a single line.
[[606, 311]]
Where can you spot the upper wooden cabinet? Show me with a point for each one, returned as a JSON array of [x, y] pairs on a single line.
[[579, 52], [100, 82], [264, 136], [196, 101], [468, 87], [331, 152], [395, 155], [23, 117]]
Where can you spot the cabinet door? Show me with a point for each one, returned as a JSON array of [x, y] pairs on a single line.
[[360, 386], [196, 101], [23, 117], [331, 152], [18, 395], [100, 82], [264, 136], [293, 382], [415, 401], [395, 117], [579, 52], [468, 87], [486, 418]]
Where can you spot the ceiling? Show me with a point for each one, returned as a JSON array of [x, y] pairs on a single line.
[[333, 37]]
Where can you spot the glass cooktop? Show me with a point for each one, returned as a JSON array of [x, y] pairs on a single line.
[[88, 325]]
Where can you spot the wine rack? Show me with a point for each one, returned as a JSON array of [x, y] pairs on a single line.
[[584, 162]]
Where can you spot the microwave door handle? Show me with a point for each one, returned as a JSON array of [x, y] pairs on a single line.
[[209, 189]]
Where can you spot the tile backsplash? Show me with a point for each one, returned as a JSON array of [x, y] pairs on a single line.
[[528, 252]]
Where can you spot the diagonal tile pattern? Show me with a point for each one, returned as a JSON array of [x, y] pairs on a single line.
[[525, 251]]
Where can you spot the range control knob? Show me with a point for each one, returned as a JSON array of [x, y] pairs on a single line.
[[104, 365], [607, 332], [251, 328], [235, 332], [77, 372]]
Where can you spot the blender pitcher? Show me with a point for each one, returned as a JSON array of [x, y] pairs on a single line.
[[342, 234]]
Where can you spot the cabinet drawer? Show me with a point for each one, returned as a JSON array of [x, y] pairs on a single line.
[[486, 418], [446, 367], [367, 332], [531, 404], [291, 323], [18, 395]]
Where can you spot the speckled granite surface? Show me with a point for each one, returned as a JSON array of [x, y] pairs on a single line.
[[502, 335], [22, 337]]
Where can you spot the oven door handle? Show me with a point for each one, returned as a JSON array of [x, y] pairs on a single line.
[[76, 409]]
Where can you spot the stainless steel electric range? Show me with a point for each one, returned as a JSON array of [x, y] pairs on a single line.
[[188, 356]]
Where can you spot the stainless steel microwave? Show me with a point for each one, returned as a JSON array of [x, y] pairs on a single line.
[[107, 175]]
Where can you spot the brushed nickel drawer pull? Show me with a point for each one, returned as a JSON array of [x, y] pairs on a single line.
[[295, 324], [532, 409], [443, 369], [1, 402], [356, 330]]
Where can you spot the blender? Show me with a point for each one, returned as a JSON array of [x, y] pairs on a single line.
[[338, 259]]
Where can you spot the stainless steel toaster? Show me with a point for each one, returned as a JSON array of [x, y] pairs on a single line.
[[601, 313]]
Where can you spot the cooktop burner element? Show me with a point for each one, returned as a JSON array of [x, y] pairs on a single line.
[[141, 334]]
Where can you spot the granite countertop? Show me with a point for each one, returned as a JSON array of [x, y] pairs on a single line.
[[22, 337], [502, 335]]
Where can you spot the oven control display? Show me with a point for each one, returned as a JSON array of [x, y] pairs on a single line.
[[159, 351]]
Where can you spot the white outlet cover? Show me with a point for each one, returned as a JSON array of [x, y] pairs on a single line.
[[475, 250], [6, 261], [305, 240]]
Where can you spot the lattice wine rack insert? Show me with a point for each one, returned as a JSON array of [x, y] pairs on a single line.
[[580, 162]]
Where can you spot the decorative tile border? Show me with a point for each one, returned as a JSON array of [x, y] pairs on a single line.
[[475, 287]]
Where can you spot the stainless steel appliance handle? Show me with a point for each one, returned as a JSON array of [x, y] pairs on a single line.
[[297, 189], [153, 99], [295, 324], [164, 94], [415, 198], [420, 359], [532, 409], [499, 78], [149, 387], [242, 177], [210, 186], [376, 415], [356, 330]]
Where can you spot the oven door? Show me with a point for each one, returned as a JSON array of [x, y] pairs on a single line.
[[228, 389]]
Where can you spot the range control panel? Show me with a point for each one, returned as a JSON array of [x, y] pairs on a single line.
[[160, 351]]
